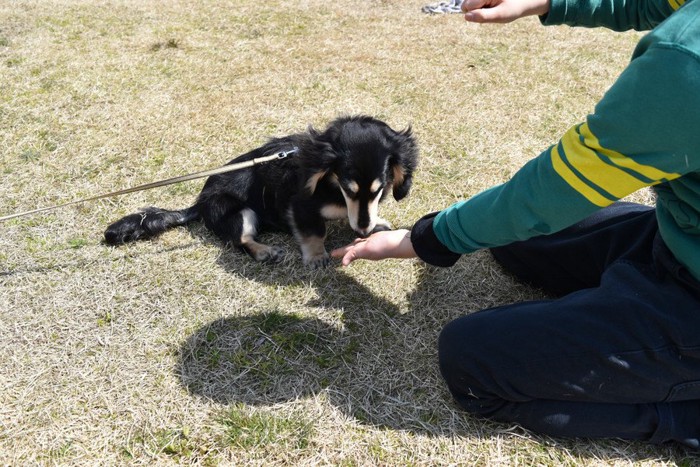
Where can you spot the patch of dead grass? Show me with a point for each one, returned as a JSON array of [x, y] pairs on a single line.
[[160, 353]]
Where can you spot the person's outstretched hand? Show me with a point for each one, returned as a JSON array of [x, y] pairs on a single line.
[[502, 11], [380, 245]]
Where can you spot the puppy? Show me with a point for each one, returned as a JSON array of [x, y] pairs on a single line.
[[343, 172]]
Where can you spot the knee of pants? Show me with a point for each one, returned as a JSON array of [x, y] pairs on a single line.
[[464, 363]]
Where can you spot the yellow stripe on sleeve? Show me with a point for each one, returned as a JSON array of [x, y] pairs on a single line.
[[652, 173], [676, 4], [608, 177], [575, 182]]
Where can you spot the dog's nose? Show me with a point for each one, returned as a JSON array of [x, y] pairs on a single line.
[[363, 232]]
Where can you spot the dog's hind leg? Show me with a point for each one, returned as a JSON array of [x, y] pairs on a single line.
[[257, 250], [240, 229]]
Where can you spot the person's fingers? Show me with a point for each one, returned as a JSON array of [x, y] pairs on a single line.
[[490, 15], [502, 11], [469, 5], [355, 251], [349, 252], [341, 251], [349, 257]]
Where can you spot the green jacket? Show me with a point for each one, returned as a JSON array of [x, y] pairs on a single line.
[[644, 132]]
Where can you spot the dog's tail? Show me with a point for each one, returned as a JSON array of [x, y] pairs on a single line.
[[148, 223]]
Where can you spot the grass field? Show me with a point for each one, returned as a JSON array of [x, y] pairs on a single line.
[[181, 351]]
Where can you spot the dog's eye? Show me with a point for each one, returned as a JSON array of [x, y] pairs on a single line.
[[351, 188], [376, 187]]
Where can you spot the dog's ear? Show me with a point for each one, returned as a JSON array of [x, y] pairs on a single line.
[[403, 161], [316, 158]]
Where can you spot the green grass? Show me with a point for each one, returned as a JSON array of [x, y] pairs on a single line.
[[182, 351], [265, 432]]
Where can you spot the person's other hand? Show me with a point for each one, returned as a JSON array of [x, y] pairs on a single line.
[[379, 245], [502, 11]]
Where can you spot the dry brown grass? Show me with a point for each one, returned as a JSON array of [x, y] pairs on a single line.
[[177, 351]]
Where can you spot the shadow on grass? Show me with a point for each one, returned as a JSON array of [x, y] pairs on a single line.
[[377, 365]]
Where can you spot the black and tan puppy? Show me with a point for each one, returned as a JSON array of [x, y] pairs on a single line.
[[343, 172]]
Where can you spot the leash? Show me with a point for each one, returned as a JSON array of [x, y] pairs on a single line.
[[182, 178]]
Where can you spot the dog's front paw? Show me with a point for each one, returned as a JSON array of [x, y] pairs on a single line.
[[317, 261], [314, 253]]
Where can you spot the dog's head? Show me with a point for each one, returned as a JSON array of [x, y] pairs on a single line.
[[365, 159]]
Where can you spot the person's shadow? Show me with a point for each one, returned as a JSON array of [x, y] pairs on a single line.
[[376, 363]]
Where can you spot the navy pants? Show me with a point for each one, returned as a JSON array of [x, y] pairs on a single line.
[[616, 353]]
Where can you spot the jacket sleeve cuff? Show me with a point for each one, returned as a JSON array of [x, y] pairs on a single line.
[[558, 13], [428, 247]]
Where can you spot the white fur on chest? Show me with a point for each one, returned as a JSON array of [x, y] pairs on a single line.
[[334, 212]]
